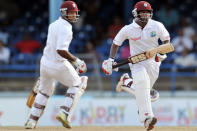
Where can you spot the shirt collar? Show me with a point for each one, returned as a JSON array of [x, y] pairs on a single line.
[[64, 21], [135, 24], [148, 25]]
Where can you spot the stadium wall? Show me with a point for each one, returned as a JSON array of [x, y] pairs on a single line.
[[102, 112]]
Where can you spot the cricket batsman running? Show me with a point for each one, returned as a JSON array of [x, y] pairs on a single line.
[[56, 64], [143, 34]]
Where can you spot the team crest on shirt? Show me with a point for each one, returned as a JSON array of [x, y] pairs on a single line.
[[153, 34]]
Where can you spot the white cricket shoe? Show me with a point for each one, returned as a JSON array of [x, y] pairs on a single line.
[[30, 124], [62, 117], [149, 123], [121, 87], [120, 84]]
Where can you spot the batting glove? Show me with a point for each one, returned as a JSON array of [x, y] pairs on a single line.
[[107, 66], [160, 57], [81, 66]]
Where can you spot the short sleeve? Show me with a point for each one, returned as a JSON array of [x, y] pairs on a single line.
[[64, 38], [120, 37], [163, 33]]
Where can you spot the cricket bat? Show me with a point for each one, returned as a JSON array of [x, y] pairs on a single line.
[[33, 93], [162, 49]]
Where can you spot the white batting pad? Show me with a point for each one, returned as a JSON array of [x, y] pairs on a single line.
[[77, 96]]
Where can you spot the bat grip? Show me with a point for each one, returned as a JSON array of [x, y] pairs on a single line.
[[120, 64]]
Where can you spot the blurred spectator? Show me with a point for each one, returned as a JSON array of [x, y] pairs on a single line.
[[168, 16], [9, 11], [4, 53], [4, 36], [27, 45], [91, 8], [90, 49], [115, 27], [183, 46], [188, 29], [100, 34], [3, 17], [187, 60]]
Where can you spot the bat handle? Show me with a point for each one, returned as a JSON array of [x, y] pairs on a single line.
[[120, 64]]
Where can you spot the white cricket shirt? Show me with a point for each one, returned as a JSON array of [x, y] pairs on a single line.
[[140, 40], [59, 38]]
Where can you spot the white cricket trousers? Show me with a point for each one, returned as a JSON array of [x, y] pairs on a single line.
[[144, 76], [63, 73], [152, 69]]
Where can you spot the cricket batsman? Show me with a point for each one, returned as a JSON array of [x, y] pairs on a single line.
[[56, 64], [143, 35]]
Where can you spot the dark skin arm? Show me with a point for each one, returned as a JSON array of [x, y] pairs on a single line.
[[113, 50], [67, 55]]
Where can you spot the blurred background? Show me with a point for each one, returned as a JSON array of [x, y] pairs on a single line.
[[23, 34]]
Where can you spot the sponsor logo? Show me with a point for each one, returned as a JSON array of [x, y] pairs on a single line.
[[102, 115], [153, 34], [164, 114], [135, 39], [187, 115]]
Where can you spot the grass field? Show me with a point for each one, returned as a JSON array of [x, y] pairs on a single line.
[[96, 128]]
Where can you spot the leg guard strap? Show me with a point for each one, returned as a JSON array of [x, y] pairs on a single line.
[[36, 105], [71, 95], [44, 94], [34, 117], [67, 109]]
